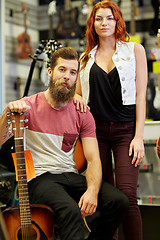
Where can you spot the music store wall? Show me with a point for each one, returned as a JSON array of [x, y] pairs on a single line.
[[40, 23]]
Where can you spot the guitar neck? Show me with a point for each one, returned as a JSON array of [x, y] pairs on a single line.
[[50, 27], [25, 23], [133, 29], [18, 129], [25, 213], [24, 10], [67, 5]]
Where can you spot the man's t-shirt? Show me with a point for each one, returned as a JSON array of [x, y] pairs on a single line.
[[52, 134]]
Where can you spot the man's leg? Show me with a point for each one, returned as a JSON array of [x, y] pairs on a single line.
[[54, 191], [112, 206]]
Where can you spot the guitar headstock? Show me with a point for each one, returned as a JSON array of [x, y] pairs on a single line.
[[52, 8], [17, 121], [40, 49], [24, 9], [51, 47]]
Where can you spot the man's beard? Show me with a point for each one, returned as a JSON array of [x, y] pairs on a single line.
[[61, 93]]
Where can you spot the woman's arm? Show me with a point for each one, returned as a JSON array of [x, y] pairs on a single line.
[[137, 145]]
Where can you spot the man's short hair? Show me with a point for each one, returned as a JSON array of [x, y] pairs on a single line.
[[67, 53]]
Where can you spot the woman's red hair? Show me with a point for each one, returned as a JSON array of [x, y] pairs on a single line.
[[92, 37]]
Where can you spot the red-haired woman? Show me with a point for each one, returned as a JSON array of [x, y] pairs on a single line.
[[113, 82]]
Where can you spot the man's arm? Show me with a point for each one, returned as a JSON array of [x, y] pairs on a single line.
[[88, 201], [15, 106]]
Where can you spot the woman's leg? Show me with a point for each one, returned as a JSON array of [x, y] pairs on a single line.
[[105, 145], [126, 180]]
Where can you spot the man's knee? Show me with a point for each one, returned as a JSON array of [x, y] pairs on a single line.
[[122, 202]]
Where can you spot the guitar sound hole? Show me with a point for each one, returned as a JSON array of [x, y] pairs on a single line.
[[27, 234]]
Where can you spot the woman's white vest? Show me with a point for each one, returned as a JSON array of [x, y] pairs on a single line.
[[124, 60]]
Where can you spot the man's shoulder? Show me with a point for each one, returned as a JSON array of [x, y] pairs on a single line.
[[33, 98]]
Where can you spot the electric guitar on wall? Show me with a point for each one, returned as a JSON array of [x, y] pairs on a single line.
[[68, 27], [24, 48], [79, 157], [51, 47], [26, 222]]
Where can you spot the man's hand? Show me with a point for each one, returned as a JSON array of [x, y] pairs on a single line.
[[88, 203], [17, 106]]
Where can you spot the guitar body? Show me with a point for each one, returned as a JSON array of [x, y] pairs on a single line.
[[79, 157], [158, 147], [42, 223], [68, 27], [24, 48]]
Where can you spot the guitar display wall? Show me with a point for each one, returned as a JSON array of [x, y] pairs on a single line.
[[14, 67], [38, 28]]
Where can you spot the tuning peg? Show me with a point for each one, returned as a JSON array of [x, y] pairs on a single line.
[[26, 120], [9, 129], [9, 121]]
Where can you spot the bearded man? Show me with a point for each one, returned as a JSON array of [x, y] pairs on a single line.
[[54, 126]]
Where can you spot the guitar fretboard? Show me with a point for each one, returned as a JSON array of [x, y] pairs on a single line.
[[25, 213]]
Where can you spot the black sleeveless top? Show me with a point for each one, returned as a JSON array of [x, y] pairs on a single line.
[[105, 99]]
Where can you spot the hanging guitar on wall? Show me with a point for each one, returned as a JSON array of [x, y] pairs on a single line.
[[24, 48], [68, 27]]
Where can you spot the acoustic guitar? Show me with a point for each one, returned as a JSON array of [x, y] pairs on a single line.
[[79, 157], [24, 48], [26, 222]]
